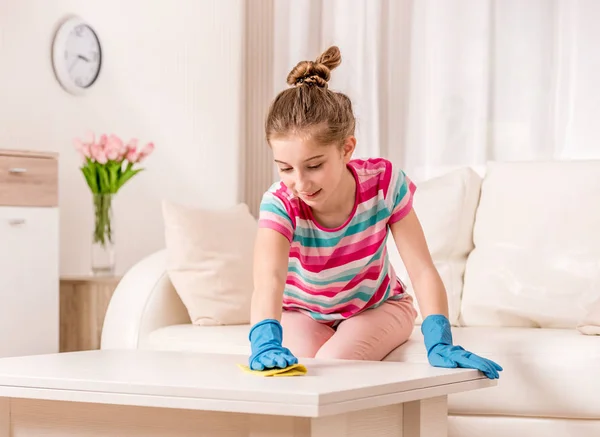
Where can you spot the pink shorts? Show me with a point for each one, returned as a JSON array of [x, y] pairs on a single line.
[[370, 335]]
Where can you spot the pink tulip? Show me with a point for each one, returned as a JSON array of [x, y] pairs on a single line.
[[98, 154], [102, 140], [82, 148], [78, 144], [85, 151], [113, 148], [146, 151], [123, 151], [132, 154]]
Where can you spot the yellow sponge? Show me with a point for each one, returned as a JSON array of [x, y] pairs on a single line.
[[293, 370]]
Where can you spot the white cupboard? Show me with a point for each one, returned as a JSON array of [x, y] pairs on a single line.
[[29, 253]]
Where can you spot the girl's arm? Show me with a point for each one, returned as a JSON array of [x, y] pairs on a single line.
[[433, 303], [271, 254], [427, 284]]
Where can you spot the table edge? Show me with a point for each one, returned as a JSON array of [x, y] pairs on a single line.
[[245, 406]]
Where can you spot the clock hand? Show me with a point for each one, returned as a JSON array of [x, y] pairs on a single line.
[[83, 57], [73, 64]]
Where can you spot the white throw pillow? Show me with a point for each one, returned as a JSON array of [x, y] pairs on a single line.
[[209, 261], [446, 207], [537, 245]]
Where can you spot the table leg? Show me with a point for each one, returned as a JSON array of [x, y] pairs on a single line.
[[426, 418], [375, 422], [5, 417]]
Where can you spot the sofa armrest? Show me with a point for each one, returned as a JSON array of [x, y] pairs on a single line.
[[143, 301]]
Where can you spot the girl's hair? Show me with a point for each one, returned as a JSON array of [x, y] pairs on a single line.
[[309, 108]]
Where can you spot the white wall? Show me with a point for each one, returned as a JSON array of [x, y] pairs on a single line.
[[172, 74]]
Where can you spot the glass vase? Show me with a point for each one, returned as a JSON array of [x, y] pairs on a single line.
[[103, 243]]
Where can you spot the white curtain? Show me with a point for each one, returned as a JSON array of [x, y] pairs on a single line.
[[306, 28], [439, 84]]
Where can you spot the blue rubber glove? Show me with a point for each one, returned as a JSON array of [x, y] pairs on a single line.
[[442, 353], [265, 341]]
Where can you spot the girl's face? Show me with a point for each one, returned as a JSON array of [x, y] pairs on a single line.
[[312, 171]]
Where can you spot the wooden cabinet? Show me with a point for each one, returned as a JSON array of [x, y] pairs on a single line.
[[83, 304], [29, 253], [28, 179]]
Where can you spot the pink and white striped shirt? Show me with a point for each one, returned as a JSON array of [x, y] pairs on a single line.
[[334, 274]]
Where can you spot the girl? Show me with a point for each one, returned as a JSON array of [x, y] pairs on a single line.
[[321, 268]]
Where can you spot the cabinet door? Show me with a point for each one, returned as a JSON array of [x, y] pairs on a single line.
[[29, 281]]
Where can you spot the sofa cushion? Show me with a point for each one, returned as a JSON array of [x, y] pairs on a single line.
[[446, 208], [590, 324], [537, 246], [204, 339], [209, 261], [519, 426], [547, 372]]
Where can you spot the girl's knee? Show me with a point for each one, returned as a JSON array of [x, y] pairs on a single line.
[[301, 346], [300, 350], [338, 354], [373, 334], [302, 335], [362, 349], [346, 349]]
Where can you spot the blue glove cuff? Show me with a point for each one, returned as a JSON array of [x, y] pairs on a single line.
[[436, 330], [266, 332], [271, 327]]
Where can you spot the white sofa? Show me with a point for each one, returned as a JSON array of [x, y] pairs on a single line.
[[519, 253]]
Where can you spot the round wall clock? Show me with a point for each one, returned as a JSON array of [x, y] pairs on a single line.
[[76, 55]]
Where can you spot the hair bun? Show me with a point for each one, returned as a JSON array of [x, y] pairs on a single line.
[[317, 72]]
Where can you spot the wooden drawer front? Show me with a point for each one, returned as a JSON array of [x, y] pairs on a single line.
[[28, 181]]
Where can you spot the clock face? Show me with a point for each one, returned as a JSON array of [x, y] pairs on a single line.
[[76, 55], [82, 55]]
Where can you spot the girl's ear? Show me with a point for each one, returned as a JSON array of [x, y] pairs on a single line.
[[348, 148]]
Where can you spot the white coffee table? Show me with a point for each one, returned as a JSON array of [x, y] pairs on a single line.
[[138, 393]]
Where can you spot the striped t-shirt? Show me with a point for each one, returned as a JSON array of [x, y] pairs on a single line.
[[334, 274]]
